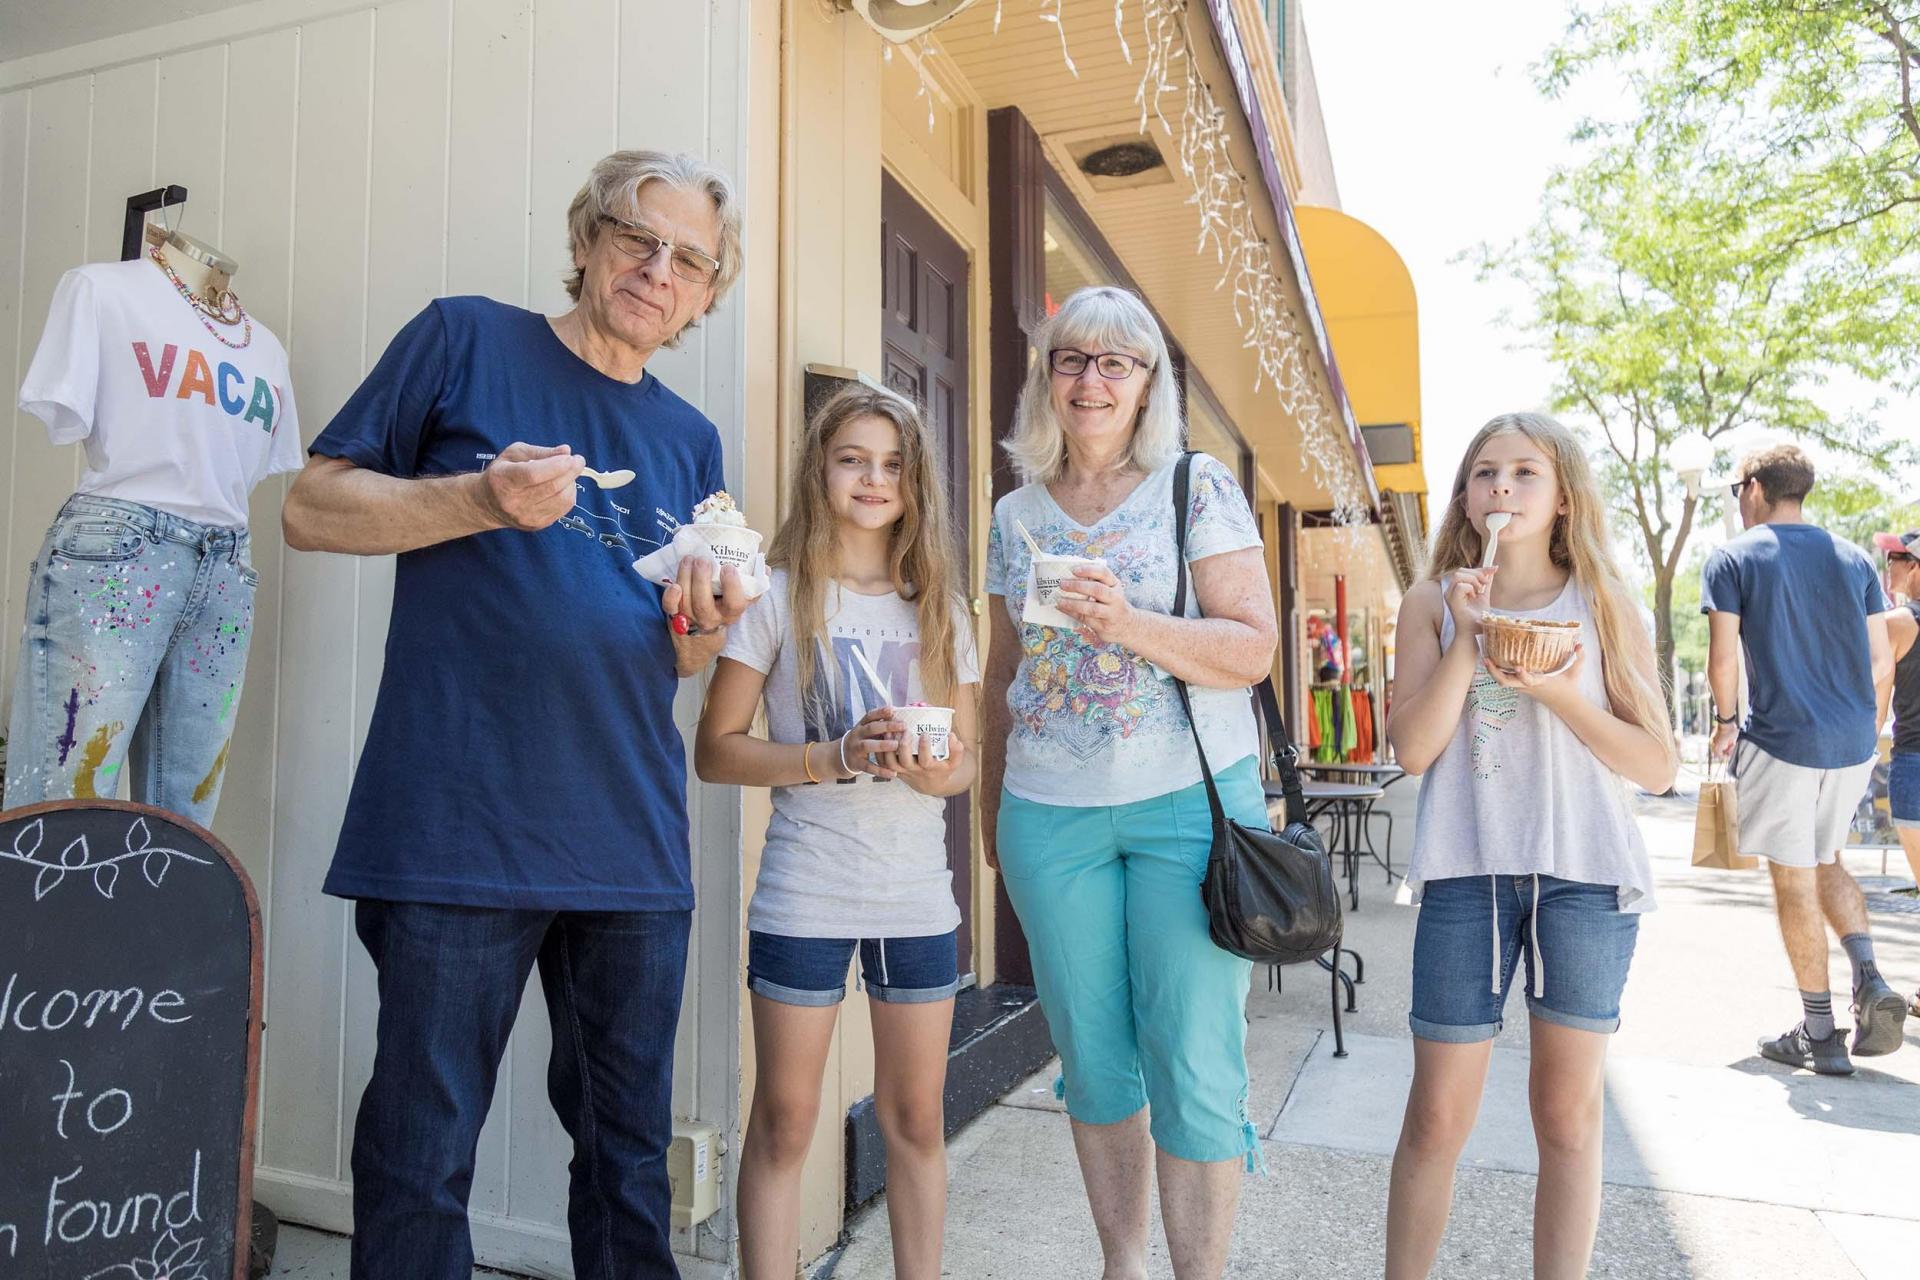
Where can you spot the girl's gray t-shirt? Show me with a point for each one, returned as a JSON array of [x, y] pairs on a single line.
[[1515, 792], [859, 859]]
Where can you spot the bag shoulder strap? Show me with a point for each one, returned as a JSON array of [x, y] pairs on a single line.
[[1268, 701]]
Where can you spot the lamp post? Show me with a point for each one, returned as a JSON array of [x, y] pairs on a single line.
[[1690, 456]]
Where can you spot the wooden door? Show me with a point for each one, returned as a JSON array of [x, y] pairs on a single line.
[[923, 286]]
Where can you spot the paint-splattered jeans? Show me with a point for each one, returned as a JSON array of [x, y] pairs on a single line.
[[133, 654]]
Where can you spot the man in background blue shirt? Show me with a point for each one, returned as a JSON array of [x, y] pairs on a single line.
[[1798, 602]]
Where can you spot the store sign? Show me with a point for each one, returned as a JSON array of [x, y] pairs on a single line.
[[129, 1046]]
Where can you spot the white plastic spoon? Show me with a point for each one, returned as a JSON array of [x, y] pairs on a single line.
[[860, 656], [607, 479], [1496, 521]]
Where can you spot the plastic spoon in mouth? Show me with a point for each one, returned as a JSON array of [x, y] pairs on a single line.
[[1496, 521], [607, 479]]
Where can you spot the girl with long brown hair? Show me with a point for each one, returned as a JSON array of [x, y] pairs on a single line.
[[861, 629], [1525, 848]]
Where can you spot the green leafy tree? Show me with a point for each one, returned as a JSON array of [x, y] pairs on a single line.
[[1718, 259], [1856, 508]]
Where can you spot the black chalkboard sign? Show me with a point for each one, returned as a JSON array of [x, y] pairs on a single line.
[[129, 1046]]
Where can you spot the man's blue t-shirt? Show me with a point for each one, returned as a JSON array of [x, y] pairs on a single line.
[[523, 751], [1803, 597]]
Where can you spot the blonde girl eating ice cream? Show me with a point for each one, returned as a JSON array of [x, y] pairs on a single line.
[[1525, 851], [862, 624]]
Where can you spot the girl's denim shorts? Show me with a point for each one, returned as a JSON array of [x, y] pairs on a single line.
[[813, 971], [1473, 932], [1903, 788]]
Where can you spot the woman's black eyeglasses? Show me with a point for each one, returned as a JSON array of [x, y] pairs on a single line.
[[1114, 366]]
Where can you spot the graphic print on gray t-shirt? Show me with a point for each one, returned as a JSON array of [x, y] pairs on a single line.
[[841, 691], [866, 859]]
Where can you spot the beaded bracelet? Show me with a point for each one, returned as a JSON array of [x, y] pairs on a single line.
[[806, 750]]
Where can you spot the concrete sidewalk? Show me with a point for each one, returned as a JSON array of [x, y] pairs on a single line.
[[1719, 1164]]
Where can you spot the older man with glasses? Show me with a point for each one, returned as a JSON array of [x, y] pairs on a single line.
[[521, 798]]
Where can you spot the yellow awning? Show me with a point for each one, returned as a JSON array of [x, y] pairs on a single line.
[[1366, 296]]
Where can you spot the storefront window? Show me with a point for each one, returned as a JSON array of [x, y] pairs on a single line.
[[1071, 263], [1208, 432]]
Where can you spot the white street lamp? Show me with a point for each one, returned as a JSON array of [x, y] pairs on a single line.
[[1690, 455]]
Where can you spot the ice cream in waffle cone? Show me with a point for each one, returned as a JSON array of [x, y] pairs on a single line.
[[1527, 644]]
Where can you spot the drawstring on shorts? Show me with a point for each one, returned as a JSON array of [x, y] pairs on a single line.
[[1533, 937]]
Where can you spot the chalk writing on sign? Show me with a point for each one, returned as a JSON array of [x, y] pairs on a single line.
[[77, 859], [127, 1025]]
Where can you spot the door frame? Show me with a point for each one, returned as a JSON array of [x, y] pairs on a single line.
[[902, 212]]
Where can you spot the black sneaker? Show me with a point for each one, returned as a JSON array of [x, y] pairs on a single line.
[[1798, 1049], [1878, 1012]]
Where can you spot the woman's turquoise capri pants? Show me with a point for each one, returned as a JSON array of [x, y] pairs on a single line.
[[1145, 1010]]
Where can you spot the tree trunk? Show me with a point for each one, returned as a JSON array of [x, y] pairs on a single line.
[[1663, 645]]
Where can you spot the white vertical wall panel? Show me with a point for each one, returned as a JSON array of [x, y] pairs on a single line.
[[121, 159], [14, 109], [358, 161], [487, 214], [254, 196], [190, 142], [311, 943]]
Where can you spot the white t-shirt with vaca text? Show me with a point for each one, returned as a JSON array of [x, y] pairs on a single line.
[[170, 417]]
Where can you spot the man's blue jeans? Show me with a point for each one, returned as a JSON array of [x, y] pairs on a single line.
[[450, 983]]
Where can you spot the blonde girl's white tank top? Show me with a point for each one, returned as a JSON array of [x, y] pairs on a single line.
[[1515, 792]]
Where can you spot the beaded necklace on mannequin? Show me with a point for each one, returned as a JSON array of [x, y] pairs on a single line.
[[214, 301]]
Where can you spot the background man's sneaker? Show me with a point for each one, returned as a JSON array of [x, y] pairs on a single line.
[[1878, 1012], [1798, 1049]]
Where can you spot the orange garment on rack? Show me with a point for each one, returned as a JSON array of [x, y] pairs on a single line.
[[1362, 752]]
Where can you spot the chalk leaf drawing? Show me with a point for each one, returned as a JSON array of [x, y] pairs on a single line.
[[78, 858], [170, 1259]]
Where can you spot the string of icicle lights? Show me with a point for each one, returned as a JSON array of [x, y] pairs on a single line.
[[1173, 92]]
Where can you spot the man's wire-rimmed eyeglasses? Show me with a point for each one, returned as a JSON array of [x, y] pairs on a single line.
[[643, 245]]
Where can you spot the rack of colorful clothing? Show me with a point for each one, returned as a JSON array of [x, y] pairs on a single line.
[[1340, 725]]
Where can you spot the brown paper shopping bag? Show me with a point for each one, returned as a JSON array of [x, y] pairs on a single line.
[[1716, 826]]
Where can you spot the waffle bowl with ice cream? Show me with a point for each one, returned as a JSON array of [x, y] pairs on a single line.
[[1527, 644]]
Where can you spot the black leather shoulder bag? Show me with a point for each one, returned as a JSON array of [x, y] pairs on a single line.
[[1270, 895]]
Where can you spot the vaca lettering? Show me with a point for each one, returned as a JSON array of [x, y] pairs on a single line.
[[225, 387]]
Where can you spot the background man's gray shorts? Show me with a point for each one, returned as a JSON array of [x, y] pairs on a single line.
[[1792, 814]]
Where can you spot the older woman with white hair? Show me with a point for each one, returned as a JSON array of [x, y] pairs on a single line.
[[521, 798], [1103, 826]]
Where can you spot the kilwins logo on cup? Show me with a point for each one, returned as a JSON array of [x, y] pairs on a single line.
[[1050, 571], [928, 728], [724, 527]]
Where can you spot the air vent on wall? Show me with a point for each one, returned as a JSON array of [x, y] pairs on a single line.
[[903, 20], [1116, 161]]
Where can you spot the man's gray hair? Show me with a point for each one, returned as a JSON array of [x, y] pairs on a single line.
[[612, 190], [1097, 319]]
